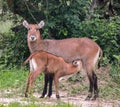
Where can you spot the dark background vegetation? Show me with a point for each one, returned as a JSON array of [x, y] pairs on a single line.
[[96, 19]]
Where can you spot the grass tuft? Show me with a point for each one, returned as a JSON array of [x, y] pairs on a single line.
[[13, 78]]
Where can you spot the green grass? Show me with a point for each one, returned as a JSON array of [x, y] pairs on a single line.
[[59, 104], [77, 90], [13, 83], [115, 72], [13, 78], [16, 78], [110, 91], [111, 79]]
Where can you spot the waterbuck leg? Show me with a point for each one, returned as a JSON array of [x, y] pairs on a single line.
[[46, 80], [95, 87], [91, 82], [50, 85]]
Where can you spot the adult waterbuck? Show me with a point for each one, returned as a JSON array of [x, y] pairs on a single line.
[[71, 49]]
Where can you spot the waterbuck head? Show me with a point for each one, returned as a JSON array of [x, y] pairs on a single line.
[[33, 30]]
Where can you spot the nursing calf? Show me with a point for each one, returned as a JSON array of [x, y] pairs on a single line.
[[50, 64], [69, 49]]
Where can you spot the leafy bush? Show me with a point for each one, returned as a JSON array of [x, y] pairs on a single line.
[[14, 49], [105, 32], [13, 46], [63, 20], [66, 19]]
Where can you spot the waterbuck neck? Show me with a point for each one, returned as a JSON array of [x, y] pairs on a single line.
[[37, 45]]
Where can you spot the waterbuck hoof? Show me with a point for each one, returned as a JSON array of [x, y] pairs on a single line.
[[88, 97], [41, 96], [94, 98], [58, 97], [26, 95], [48, 96]]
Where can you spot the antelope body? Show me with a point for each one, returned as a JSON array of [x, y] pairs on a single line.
[[71, 49], [40, 61]]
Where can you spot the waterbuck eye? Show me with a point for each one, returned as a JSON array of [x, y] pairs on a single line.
[[29, 28], [37, 29]]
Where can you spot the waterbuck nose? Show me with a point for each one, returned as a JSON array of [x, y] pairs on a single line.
[[32, 37]]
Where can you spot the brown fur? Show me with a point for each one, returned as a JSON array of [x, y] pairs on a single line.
[[39, 61], [69, 49]]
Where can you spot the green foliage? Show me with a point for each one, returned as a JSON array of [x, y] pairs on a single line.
[[13, 49], [13, 46], [63, 19], [105, 32], [117, 58], [5, 26]]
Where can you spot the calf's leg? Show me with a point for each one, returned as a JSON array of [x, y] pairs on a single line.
[[31, 79], [56, 82], [28, 84]]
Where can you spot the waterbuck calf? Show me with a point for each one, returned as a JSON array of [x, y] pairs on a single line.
[[40, 61], [69, 49]]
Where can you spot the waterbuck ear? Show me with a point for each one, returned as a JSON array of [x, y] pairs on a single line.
[[26, 24], [41, 24]]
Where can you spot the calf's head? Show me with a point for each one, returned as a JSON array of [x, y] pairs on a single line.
[[78, 64], [33, 30]]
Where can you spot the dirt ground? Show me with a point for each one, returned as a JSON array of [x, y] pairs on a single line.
[[75, 99]]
